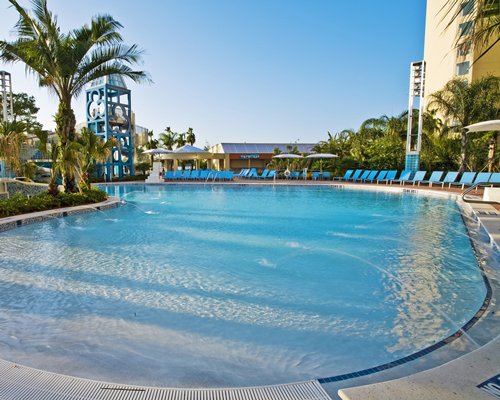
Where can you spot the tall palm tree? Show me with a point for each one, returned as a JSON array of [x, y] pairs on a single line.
[[483, 17], [66, 62], [190, 136], [168, 138], [464, 103], [181, 140]]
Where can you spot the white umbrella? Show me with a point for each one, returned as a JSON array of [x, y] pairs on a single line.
[[321, 156], [287, 155], [493, 125], [157, 151]]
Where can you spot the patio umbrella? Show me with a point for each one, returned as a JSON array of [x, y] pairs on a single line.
[[321, 156], [153, 152], [287, 155], [493, 125], [157, 151]]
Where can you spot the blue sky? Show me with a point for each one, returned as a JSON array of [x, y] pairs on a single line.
[[254, 70]]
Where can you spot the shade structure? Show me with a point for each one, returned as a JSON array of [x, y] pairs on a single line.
[[485, 126], [321, 156], [157, 151], [189, 149], [287, 155]]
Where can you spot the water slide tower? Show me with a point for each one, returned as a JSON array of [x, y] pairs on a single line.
[[414, 140], [109, 115]]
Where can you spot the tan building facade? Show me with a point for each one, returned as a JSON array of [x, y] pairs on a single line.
[[444, 61]]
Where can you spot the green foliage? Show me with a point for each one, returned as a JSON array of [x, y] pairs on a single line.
[[19, 204], [143, 167]]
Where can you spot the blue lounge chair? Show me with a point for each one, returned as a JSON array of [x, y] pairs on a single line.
[[326, 175], [178, 174], [363, 176], [434, 178], [347, 175], [169, 175], [495, 177], [294, 175], [450, 177], [204, 174], [315, 175], [354, 176], [389, 177], [186, 175], [466, 179], [419, 177], [243, 173], [264, 174], [252, 174], [195, 175], [369, 177], [482, 177], [380, 175], [403, 177], [271, 174]]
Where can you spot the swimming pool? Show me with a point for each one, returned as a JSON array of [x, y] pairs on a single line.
[[236, 286]]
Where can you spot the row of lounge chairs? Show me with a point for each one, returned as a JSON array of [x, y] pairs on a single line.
[[251, 173], [436, 178], [198, 175]]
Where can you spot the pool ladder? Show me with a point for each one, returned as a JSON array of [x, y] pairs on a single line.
[[475, 187]]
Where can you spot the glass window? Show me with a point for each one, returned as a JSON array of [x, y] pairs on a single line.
[[463, 68], [465, 28], [467, 7]]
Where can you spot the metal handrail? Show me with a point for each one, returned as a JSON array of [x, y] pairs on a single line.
[[474, 187]]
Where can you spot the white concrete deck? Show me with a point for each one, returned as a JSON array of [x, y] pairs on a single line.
[[457, 380]]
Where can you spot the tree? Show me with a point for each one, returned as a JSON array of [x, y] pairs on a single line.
[[190, 137], [11, 139], [483, 19], [181, 140], [464, 103], [93, 149], [168, 138], [66, 62]]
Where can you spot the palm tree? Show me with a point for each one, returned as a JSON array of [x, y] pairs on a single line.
[[464, 103], [168, 138], [66, 62], [93, 149], [190, 136], [11, 139], [483, 17], [181, 140]]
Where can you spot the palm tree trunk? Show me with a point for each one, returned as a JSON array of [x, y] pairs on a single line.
[[492, 150], [65, 129], [463, 155]]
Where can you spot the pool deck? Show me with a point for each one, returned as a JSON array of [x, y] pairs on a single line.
[[456, 379]]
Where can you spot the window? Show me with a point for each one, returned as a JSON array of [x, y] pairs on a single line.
[[467, 7], [465, 28], [463, 49], [463, 68]]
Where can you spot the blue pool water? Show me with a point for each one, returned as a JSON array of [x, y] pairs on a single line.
[[236, 286]]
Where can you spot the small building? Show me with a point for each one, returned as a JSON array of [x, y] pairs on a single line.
[[236, 156]]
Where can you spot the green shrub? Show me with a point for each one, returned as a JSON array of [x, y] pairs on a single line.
[[19, 204]]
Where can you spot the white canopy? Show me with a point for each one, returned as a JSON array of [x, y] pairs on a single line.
[[157, 151], [322, 155], [493, 125], [287, 155]]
